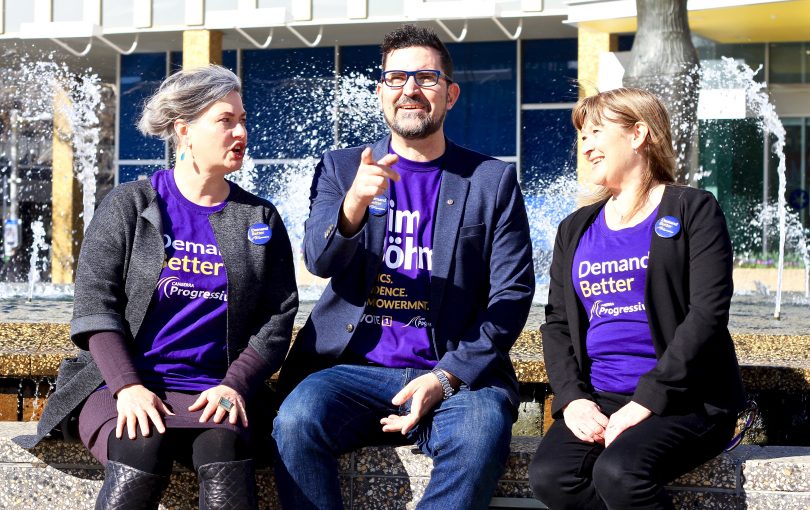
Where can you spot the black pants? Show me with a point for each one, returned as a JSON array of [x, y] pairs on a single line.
[[567, 473], [191, 447]]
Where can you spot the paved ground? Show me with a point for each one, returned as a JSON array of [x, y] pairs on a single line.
[[750, 313]]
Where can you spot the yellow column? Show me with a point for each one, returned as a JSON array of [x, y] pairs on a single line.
[[201, 47], [590, 44], [66, 200]]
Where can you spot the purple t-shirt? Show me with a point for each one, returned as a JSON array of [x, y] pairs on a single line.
[[394, 330], [181, 344], [610, 267]]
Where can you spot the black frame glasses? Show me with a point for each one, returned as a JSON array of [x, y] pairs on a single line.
[[396, 79]]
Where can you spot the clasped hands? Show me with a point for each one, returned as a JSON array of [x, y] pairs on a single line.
[[137, 406], [585, 419]]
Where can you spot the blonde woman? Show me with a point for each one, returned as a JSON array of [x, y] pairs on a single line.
[[645, 378]]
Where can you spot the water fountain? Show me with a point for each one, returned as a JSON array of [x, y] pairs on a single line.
[[734, 82], [355, 111], [35, 94]]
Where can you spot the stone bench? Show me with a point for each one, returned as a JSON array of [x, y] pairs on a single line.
[[775, 369], [58, 475]]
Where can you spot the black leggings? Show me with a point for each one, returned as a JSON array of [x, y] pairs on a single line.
[[191, 447], [569, 474]]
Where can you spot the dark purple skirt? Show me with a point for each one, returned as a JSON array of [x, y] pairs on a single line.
[[99, 415]]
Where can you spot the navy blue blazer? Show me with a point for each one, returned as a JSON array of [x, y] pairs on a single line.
[[482, 281]]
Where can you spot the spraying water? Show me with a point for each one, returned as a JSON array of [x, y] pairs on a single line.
[[734, 75], [37, 246]]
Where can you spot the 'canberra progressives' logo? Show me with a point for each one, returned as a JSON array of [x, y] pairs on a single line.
[[601, 310], [165, 283], [417, 322]]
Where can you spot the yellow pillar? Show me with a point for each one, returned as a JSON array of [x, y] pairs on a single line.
[[201, 47], [590, 44], [66, 200]]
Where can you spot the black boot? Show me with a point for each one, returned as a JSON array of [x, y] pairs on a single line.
[[128, 488], [227, 486]]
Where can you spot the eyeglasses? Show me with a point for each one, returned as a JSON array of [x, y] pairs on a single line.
[[422, 77], [744, 422]]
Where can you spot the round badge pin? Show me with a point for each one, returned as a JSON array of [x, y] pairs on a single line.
[[259, 233], [378, 206], [667, 227]]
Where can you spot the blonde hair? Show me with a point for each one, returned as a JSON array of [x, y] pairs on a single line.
[[626, 107]]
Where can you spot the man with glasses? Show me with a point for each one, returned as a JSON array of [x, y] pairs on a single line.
[[428, 250]]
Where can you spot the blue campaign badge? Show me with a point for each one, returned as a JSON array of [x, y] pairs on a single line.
[[667, 227], [378, 206], [259, 233]]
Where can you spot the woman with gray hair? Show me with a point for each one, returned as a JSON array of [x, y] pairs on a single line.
[[184, 304]]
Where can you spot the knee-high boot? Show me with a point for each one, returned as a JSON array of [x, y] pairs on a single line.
[[227, 485], [127, 488]]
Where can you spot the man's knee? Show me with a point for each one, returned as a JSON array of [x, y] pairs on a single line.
[[298, 416]]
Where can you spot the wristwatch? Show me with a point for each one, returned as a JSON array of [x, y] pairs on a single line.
[[447, 388]]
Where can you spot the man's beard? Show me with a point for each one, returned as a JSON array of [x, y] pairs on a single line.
[[422, 128]]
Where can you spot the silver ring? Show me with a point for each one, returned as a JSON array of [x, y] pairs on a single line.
[[225, 404]]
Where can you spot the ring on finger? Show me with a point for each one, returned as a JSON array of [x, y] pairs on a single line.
[[226, 404]]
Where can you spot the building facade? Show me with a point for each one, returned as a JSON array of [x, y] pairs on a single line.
[[308, 68]]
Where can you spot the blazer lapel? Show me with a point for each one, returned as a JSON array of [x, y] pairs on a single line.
[[449, 213], [572, 301], [376, 225]]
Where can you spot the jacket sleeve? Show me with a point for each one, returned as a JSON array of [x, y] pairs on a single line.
[[326, 251], [709, 262], [564, 371], [511, 287], [280, 302], [99, 293]]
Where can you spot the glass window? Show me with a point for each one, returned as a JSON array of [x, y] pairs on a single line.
[[752, 55], [129, 173], [797, 157], [221, 5], [360, 118], [229, 58], [168, 12], [550, 71], [329, 8], [483, 119], [266, 4], [788, 62], [289, 96], [68, 10], [141, 74], [117, 13], [731, 159], [548, 146], [17, 13], [385, 8], [625, 42]]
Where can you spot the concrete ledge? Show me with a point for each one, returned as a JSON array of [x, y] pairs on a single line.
[[63, 476], [769, 361]]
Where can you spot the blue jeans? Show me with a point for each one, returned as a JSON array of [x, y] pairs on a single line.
[[338, 410]]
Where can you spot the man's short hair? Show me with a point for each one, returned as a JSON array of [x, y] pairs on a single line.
[[409, 36]]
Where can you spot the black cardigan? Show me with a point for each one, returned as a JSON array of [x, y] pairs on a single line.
[[687, 295]]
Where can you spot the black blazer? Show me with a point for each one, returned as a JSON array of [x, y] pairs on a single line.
[[687, 295]]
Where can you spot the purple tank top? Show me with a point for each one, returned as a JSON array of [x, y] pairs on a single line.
[[610, 267], [395, 329], [182, 342]]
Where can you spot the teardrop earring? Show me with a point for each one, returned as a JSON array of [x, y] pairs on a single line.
[[182, 155]]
